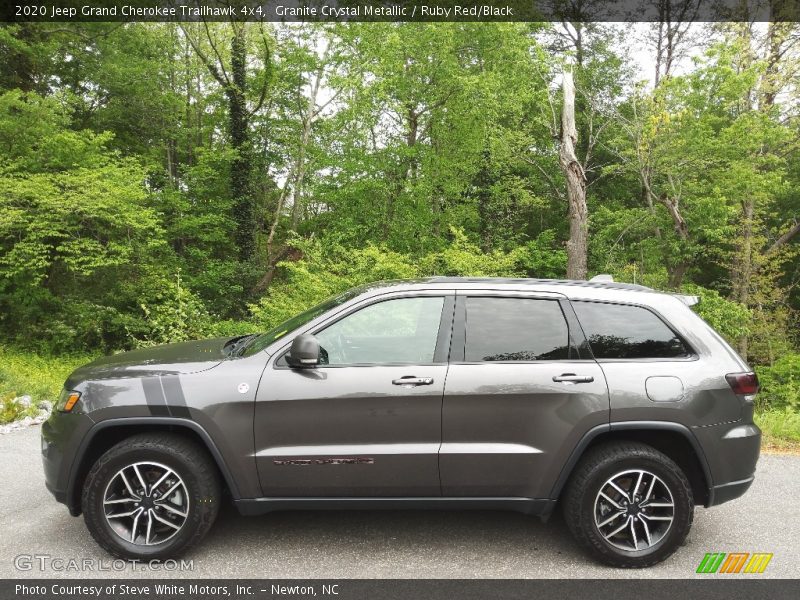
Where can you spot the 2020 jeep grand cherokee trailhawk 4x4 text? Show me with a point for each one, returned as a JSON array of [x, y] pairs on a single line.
[[613, 401]]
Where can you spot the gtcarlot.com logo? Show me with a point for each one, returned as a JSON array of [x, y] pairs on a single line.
[[734, 562], [46, 562]]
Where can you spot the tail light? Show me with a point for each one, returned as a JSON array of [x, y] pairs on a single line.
[[743, 384]]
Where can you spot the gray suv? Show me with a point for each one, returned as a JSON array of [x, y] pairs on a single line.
[[613, 402]]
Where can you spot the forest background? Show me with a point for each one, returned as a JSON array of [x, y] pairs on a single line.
[[164, 181]]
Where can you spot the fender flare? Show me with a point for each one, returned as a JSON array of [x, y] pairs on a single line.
[[590, 435], [128, 421]]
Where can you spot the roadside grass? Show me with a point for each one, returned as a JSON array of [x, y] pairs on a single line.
[[780, 429], [29, 374]]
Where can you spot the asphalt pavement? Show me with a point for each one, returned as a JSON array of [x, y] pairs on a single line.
[[384, 544]]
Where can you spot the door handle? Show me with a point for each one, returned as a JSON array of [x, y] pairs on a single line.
[[411, 380], [572, 378]]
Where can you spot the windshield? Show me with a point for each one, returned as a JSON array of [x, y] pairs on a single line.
[[263, 340]]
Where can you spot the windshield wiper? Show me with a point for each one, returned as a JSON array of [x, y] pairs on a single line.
[[237, 345]]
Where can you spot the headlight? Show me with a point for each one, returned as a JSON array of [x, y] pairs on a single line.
[[67, 400]]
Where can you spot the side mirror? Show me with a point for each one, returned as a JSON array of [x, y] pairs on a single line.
[[304, 352]]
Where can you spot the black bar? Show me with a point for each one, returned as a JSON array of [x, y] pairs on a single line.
[[711, 588]]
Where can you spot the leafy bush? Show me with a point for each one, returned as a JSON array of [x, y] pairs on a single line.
[[229, 328], [463, 258], [779, 425], [172, 313], [327, 268], [780, 383], [38, 376], [11, 409], [730, 319]]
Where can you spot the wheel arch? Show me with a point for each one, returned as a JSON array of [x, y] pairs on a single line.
[[105, 434], [672, 439]]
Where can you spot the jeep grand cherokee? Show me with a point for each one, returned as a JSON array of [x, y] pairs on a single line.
[[614, 402]]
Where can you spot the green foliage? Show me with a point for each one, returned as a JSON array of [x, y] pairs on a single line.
[[327, 268], [41, 377], [780, 383], [779, 426], [428, 149], [11, 409], [730, 319], [74, 226], [171, 313]]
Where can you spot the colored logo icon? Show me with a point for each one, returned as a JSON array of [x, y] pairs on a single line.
[[734, 562]]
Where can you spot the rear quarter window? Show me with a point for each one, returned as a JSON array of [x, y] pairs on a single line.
[[625, 331]]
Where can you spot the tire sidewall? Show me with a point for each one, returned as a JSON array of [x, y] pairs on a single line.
[[94, 513], [681, 495]]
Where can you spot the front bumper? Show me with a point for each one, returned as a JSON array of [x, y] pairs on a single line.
[[61, 436]]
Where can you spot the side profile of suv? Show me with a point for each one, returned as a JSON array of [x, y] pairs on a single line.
[[615, 402]]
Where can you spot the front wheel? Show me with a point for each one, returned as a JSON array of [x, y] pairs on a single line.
[[151, 497], [629, 505]]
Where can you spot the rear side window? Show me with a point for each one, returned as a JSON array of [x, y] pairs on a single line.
[[515, 329], [621, 331]]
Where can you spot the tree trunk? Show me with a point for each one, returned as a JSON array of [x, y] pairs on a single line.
[[676, 270], [743, 271], [785, 238], [779, 40], [294, 179], [241, 165], [305, 139], [578, 244]]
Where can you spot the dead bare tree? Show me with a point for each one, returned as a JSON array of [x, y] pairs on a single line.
[[578, 244]]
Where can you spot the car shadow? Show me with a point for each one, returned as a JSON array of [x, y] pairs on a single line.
[[434, 537]]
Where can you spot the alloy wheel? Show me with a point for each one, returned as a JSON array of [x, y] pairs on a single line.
[[634, 510], [146, 503]]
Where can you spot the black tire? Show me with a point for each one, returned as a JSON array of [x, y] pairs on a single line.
[[188, 460], [590, 476]]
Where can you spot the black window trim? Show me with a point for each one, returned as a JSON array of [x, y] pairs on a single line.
[[577, 342], [691, 352], [443, 338]]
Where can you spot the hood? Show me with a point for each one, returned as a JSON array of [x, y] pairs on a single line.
[[169, 359]]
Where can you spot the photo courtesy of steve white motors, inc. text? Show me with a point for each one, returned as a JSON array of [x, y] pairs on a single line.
[[171, 590]]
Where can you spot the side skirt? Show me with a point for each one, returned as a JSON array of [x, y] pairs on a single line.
[[541, 507]]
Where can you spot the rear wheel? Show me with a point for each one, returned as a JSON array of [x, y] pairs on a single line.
[[629, 505], [152, 496]]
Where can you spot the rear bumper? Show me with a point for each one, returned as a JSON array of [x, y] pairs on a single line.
[[732, 451], [729, 491]]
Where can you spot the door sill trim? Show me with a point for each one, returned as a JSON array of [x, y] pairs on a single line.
[[530, 506]]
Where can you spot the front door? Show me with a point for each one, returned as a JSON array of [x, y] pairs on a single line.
[[367, 422], [518, 398]]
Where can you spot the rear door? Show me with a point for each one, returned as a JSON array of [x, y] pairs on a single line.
[[519, 395]]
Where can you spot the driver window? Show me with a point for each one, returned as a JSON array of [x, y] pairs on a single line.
[[403, 330]]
